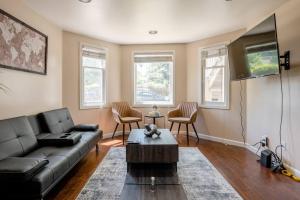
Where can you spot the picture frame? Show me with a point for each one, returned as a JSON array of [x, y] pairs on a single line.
[[22, 47]]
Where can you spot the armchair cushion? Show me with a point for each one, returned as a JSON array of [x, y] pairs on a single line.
[[180, 119], [20, 168], [130, 119], [86, 127]]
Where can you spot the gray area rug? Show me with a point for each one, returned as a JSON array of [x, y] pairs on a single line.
[[199, 178]]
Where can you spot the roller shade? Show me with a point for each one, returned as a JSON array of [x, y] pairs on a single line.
[[214, 52], [153, 57], [92, 52]]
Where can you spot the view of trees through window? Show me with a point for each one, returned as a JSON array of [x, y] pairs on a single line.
[[93, 81], [214, 79], [153, 83]]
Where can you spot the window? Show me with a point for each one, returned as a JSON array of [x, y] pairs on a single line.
[[215, 78], [153, 78], [92, 87]]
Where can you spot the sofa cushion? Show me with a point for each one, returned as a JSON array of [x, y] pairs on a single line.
[[38, 124], [58, 121], [20, 168], [17, 137]]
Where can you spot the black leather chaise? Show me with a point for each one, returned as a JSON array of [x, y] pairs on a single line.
[[36, 152]]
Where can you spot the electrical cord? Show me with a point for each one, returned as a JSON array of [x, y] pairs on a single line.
[[241, 112], [281, 118]]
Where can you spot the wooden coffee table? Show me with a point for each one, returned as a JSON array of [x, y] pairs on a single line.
[[145, 150], [149, 158]]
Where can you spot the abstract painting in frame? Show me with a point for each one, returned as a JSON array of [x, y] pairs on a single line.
[[21, 46]]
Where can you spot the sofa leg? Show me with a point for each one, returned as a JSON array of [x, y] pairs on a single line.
[[137, 123], [171, 126], [178, 128], [187, 134], [97, 147], [195, 131], [115, 131]]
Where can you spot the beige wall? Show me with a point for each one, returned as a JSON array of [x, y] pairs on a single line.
[[71, 77], [31, 93], [219, 123], [264, 97]]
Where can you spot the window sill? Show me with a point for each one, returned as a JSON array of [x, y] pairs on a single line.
[[150, 106], [216, 107], [93, 107]]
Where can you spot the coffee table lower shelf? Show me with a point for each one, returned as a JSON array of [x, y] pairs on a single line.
[[140, 188]]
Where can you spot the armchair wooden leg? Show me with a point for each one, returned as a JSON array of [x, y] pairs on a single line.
[[123, 134], [187, 133], [178, 128], [129, 126], [137, 123], [171, 126], [115, 131], [195, 131]]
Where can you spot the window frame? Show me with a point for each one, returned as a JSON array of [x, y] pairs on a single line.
[[216, 105], [81, 74], [138, 105]]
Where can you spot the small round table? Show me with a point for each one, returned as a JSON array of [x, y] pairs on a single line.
[[156, 117]]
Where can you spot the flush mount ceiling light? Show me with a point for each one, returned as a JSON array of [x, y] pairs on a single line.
[[153, 32], [85, 1]]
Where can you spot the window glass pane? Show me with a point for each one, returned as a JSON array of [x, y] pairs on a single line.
[[153, 83], [93, 62], [214, 85], [215, 61], [93, 87]]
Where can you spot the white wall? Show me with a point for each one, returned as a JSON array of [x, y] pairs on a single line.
[[264, 96], [31, 93]]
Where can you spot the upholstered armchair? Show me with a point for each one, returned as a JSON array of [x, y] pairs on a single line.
[[124, 114], [185, 113]]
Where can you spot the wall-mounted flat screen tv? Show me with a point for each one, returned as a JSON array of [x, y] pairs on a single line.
[[256, 53]]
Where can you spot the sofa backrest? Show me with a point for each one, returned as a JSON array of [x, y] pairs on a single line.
[[16, 137], [58, 121], [38, 124]]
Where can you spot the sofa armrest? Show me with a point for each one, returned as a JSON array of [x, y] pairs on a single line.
[[86, 127], [20, 168]]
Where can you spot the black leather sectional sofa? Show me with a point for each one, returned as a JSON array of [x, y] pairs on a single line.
[[36, 152]]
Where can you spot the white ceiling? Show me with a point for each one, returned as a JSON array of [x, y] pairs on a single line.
[[177, 21]]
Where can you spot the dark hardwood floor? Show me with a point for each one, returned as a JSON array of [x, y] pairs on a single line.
[[237, 165]]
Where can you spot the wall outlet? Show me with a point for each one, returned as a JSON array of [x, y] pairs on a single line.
[[264, 141]]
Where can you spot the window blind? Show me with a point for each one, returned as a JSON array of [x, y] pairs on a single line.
[[153, 57], [91, 52], [213, 52]]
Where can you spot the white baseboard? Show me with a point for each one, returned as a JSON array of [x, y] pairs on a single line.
[[220, 140]]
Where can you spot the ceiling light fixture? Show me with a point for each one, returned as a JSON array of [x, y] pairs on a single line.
[[153, 32], [85, 1]]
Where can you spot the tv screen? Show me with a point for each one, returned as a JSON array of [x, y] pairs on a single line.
[[256, 53]]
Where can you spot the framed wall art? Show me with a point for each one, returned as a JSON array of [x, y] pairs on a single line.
[[21, 46]]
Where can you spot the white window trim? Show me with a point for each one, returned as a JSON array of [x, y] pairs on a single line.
[[209, 105], [81, 74], [172, 79]]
